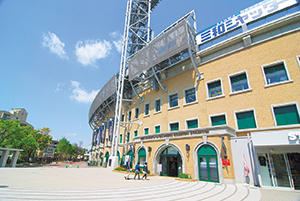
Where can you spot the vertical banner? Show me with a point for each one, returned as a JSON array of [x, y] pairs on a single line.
[[94, 138], [111, 129], [98, 136], [103, 132]]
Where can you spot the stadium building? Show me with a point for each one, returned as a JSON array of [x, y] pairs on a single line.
[[220, 105]]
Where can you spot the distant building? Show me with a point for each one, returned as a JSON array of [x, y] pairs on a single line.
[[16, 114], [49, 150]]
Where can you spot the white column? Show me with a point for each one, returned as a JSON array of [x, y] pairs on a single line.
[[14, 159], [4, 158]]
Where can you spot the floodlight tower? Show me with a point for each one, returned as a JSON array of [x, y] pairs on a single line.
[[137, 34]]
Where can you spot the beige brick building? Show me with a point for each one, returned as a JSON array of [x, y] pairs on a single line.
[[242, 111]]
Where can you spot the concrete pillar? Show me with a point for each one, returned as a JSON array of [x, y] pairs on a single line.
[[4, 158], [14, 159]]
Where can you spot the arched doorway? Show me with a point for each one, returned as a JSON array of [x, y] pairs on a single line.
[[131, 157], [208, 164], [118, 154], [142, 156], [106, 159], [171, 162]]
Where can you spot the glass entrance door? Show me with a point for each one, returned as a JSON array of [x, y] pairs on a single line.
[[275, 170], [294, 162]]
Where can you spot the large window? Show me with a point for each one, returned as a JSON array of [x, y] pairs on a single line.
[[129, 115], [174, 126], [193, 123], [137, 112], [146, 131], [239, 82], [190, 95], [147, 109], [128, 137], [287, 114], [217, 120], [121, 138], [275, 73], [135, 133], [157, 129], [157, 106], [214, 89], [173, 100], [245, 119]]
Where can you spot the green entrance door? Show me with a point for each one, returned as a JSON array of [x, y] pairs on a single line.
[[142, 156], [106, 159], [208, 164]]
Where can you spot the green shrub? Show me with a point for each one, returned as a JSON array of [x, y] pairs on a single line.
[[120, 169], [184, 176]]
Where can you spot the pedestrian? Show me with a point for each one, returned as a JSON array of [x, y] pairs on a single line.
[[145, 171], [128, 169], [137, 170]]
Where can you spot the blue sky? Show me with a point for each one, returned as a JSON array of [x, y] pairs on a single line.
[[56, 55]]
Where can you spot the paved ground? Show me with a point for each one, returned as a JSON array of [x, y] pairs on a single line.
[[93, 183]]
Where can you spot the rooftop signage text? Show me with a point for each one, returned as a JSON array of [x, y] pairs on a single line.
[[247, 15]]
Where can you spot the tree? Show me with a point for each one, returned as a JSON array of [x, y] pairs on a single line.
[[64, 147], [13, 135]]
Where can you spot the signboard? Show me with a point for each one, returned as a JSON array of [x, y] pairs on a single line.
[[159, 167], [226, 162], [245, 16]]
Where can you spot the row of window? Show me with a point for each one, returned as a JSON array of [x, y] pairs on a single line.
[[274, 73], [283, 114]]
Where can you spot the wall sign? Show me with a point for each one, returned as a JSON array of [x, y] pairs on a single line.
[[293, 136], [226, 162], [245, 16]]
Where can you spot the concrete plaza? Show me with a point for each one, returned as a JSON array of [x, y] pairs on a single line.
[[79, 182]]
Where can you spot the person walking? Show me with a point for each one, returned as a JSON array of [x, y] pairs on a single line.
[[137, 170], [128, 169], [145, 171]]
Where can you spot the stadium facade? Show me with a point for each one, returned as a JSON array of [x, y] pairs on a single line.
[[220, 105]]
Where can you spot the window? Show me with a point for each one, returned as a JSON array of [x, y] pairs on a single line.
[[214, 88], [135, 133], [121, 138], [157, 105], [157, 129], [190, 95], [218, 120], [173, 100], [192, 123], [137, 112], [128, 137], [146, 131], [122, 117], [174, 126], [245, 120], [275, 73], [147, 109], [239, 82], [129, 115], [286, 114]]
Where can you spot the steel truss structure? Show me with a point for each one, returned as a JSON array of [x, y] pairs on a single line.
[[145, 62]]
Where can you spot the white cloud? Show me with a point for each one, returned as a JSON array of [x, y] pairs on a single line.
[[71, 134], [80, 94], [52, 42], [118, 43], [90, 51], [59, 85]]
